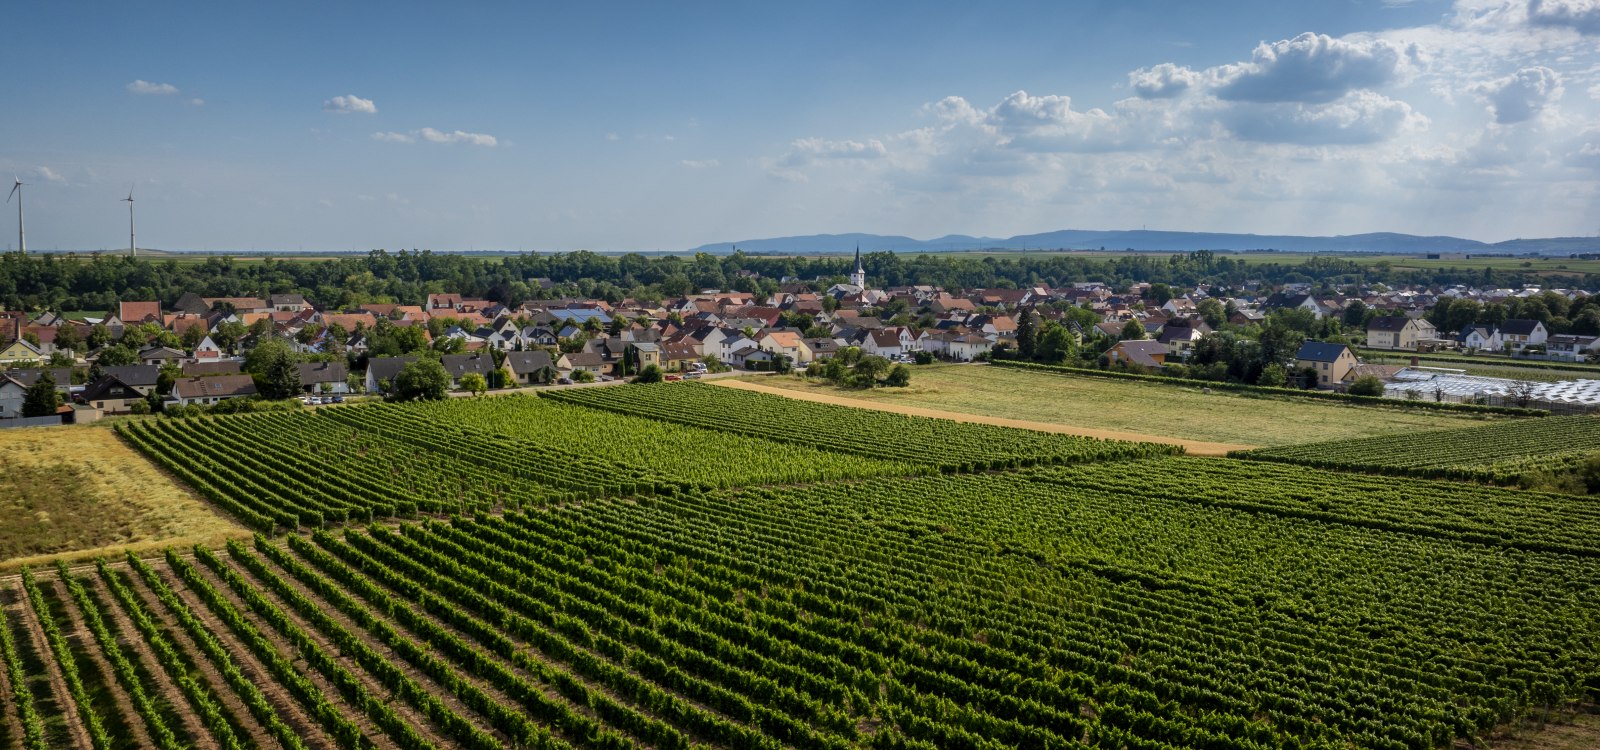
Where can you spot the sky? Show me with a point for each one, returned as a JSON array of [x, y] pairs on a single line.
[[663, 126]]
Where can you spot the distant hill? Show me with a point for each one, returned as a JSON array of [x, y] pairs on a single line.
[[1154, 241]]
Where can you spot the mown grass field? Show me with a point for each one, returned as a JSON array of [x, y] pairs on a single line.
[[1151, 409], [81, 490]]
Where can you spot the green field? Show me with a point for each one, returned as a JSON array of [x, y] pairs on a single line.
[[1178, 411]]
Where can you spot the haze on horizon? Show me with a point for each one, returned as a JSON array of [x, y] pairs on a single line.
[[636, 126]]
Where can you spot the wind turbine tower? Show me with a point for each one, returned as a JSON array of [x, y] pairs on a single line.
[[22, 237], [133, 250]]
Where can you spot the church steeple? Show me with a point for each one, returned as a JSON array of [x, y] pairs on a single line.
[[858, 277]]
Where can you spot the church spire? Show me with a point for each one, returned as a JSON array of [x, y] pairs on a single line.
[[858, 277]]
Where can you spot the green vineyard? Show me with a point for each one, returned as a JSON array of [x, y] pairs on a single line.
[[565, 576], [951, 446], [1498, 453]]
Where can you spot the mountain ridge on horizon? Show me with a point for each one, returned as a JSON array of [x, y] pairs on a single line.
[[1153, 241]]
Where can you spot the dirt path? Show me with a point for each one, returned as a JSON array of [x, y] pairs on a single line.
[[1191, 447], [58, 683]]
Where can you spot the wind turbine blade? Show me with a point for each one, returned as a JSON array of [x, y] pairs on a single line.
[[14, 189]]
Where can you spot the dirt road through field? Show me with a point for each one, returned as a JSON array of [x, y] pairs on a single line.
[[1191, 447]]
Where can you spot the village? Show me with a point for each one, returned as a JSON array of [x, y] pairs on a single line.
[[145, 355]]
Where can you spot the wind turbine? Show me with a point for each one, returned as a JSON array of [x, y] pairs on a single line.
[[22, 241], [133, 250]]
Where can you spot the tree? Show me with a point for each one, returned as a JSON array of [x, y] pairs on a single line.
[[117, 356], [582, 376], [474, 383], [899, 377], [1212, 312], [67, 337], [422, 380], [1133, 331], [167, 377], [273, 366], [99, 336], [650, 374], [41, 399], [1367, 385], [1027, 334], [1274, 376]]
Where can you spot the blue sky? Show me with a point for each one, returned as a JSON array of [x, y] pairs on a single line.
[[649, 126]]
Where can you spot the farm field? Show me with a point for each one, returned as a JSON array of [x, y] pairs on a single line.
[[1146, 408], [1501, 453], [1044, 607], [80, 490]]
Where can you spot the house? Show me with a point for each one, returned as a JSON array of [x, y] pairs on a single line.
[[1571, 347], [324, 377], [588, 361], [678, 355], [112, 392], [528, 368], [751, 358], [207, 349], [822, 348], [12, 395], [1518, 333], [381, 372], [1480, 337], [160, 355], [461, 365], [1138, 352], [1332, 362], [20, 351], [134, 313], [966, 347], [207, 391], [287, 302], [890, 343], [1397, 332], [207, 369], [1179, 335], [642, 354], [61, 375], [788, 343]]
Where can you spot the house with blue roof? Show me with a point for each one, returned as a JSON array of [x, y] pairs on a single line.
[[1332, 362]]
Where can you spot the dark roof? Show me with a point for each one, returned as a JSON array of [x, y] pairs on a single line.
[[27, 377], [526, 362], [140, 375], [462, 364], [1518, 327], [386, 368], [1142, 352], [322, 372], [1320, 351], [1391, 323], [162, 352], [221, 386], [202, 369]]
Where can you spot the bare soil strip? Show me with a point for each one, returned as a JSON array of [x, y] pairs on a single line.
[[244, 721], [161, 687], [1190, 447], [58, 684], [77, 633]]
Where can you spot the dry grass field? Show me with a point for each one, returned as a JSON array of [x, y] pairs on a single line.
[[1148, 409], [80, 490]]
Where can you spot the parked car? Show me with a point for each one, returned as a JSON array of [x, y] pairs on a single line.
[[564, 381], [674, 377], [338, 399], [693, 374]]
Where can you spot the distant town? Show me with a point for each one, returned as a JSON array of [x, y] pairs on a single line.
[[197, 352]]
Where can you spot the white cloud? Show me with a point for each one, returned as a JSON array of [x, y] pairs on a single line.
[[1582, 16], [145, 87], [613, 137], [49, 175], [807, 150], [1313, 68], [458, 136], [349, 104], [1364, 117], [1163, 81], [1522, 95], [701, 163], [437, 136], [196, 102]]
